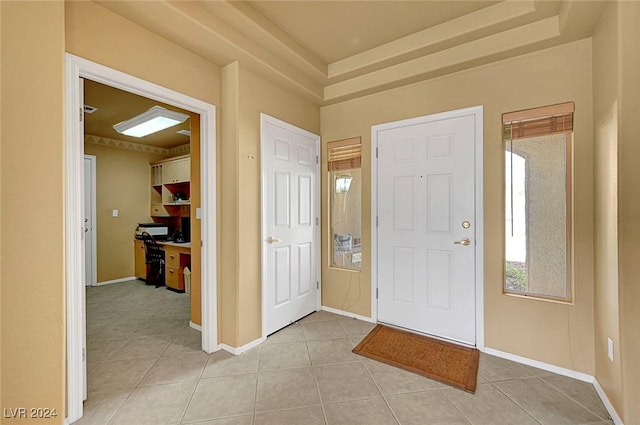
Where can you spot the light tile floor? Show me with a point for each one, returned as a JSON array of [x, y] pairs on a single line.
[[145, 367]]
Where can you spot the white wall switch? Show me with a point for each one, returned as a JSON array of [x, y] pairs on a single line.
[[610, 349], [115, 213], [198, 213]]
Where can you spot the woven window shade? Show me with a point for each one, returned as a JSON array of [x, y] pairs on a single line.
[[345, 154], [538, 122]]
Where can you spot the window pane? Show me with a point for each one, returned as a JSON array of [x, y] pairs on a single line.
[[345, 194], [536, 244]]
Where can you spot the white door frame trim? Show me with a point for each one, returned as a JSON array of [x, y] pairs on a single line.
[[77, 68], [94, 239], [477, 113], [264, 119]]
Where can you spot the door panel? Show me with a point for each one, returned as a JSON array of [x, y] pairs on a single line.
[[425, 190], [290, 250]]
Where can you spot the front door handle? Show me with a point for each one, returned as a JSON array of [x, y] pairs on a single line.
[[271, 239], [464, 242]]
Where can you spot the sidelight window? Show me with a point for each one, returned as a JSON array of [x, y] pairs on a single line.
[[537, 148], [345, 194]]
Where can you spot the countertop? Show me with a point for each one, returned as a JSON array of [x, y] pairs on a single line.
[[179, 245]]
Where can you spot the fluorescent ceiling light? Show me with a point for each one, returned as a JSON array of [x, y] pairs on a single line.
[[184, 132], [149, 122]]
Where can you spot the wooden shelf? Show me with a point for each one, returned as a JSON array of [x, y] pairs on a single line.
[[170, 180]]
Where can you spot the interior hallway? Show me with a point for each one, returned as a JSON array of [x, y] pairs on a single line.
[[145, 366]]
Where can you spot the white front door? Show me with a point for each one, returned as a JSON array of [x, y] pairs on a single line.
[[90, 275], [426, 226], [289, 217]]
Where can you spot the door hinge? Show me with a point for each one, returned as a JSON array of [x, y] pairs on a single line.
[[376, 293], [317, 159], [201, 243], [84, 354], [317, 284], [81, 110], [376, 221], [317, 221], [376, 152]]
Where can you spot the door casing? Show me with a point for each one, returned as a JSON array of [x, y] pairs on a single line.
[[477, 112], [93, 273], [264, 118], [77, 68]]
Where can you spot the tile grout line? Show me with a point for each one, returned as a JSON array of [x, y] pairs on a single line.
[[115, 412], [193, 392], [315, 379], [576, 401], [514, 401], [384, 398], [255, 395], [465, 417]]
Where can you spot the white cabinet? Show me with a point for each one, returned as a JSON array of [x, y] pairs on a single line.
[[170, 187]]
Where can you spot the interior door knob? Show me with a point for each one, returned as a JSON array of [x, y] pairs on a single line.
[[271, 239], [464, 242]]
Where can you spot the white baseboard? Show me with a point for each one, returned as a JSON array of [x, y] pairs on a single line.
[[564, 372], [240, 350], [195, 326], [541, 365], [348, 314], [109, 282], [607, 403]]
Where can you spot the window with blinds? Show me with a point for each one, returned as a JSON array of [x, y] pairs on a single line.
[[538, 193], [344, 154], [345, 186]]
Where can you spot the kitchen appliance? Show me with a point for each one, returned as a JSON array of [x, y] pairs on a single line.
[[157, 230]]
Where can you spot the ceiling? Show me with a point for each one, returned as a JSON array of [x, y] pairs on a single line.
[[115, 105], [335, 30], [331, 51]]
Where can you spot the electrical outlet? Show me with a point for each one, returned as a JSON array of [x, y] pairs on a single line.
[[115, 213], [610, 349]]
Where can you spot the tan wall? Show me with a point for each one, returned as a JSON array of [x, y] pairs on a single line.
[[1, 190], [629, 208], [228, 207], [33, 296], [605, 120], [555, 333], [246, 95], [196, 224], [122, 183], [97, 34]]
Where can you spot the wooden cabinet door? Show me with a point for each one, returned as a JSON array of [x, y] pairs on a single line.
[[176, 171], [169, 172], [183, 170], [140, 265], [172, 270]]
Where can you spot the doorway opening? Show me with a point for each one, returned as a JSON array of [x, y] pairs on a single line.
[[76, 69]]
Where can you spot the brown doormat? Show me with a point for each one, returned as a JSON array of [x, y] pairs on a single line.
[[442, 361]]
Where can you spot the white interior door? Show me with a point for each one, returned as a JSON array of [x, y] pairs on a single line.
[[290, 223], [426, 226], [90, 254]]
